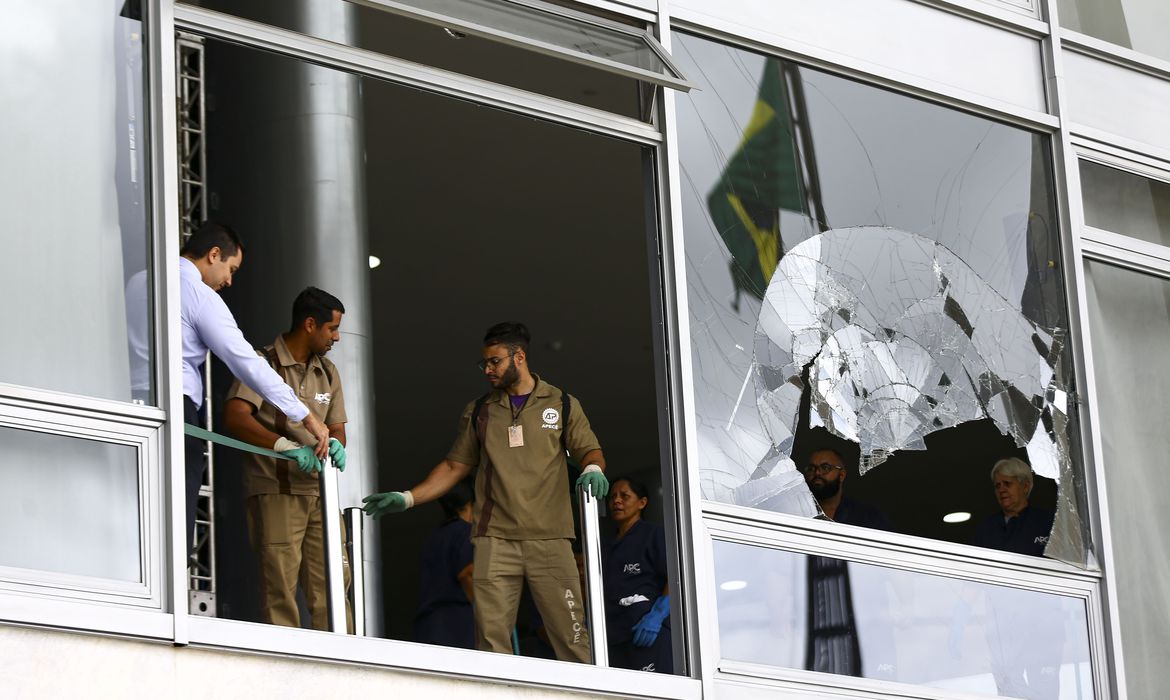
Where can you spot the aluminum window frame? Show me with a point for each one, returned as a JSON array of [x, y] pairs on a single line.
[[1134, 255], [1085, 44], [1104, 634], [407, 656], [898, 552], [91, 604], [143, 435], [674, 78], [224, 27]]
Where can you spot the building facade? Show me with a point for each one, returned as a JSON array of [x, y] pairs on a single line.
[[929, 234]]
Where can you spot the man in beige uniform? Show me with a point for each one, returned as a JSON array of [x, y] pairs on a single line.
[[522, 522], [284, 507]]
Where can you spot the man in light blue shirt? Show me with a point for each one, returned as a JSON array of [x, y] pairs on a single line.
[[209, 259]]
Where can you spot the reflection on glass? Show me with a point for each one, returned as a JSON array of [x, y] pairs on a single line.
[[76, 229], [1125, 203], [1142, 25], [868, 264], [1129, 320], [546, 27], [821, 614], [391, 34], [69, 506]]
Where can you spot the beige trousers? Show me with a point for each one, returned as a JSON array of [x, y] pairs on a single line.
[[502, 566], [288, 534]]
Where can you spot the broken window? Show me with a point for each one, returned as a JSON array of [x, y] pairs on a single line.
[[879, 275]]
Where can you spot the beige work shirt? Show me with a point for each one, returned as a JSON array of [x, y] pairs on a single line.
[[317, 384], [522, 492]]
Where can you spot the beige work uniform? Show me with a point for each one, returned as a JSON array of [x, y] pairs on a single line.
[[522, 522], [284, 506]]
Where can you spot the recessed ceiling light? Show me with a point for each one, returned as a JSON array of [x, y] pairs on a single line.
[[733, 585], [375, 261], [957, 517]]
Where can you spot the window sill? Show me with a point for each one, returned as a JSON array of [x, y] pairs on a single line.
[[423, 658]]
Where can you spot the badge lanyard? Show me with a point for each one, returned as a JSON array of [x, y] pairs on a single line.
[[516, 431]]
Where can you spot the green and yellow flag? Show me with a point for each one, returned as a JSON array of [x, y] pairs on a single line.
[[762, 177]]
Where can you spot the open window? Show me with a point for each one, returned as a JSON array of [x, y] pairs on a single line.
[[551, 50], [431, 218]]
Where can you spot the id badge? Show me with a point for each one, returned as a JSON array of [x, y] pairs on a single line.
[[515, 436]]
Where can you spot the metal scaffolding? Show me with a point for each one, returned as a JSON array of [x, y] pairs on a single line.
[[193, 212]]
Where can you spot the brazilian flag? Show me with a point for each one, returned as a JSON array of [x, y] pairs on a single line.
[[762, 177]]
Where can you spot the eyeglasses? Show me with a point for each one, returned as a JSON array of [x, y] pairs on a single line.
[[821, 469], [492, 362]]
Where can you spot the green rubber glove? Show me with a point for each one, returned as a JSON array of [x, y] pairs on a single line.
[[305, 459], [337, 452], [594, 480], [379, 504]]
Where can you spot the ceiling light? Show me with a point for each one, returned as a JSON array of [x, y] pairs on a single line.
[[375, 261], [733, 585], [957, 517]]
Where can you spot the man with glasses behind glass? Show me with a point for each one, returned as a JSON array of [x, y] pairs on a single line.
[[522, 522], [825, 474]]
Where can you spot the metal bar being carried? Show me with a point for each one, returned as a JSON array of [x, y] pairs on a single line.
[[334, 547], [594, 595]]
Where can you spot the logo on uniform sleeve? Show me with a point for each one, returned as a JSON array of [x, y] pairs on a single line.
[[324, 399], [551, 418]]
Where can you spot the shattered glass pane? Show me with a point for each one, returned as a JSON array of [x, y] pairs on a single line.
[[875, 268]]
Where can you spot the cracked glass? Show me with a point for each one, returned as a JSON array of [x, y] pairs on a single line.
[[880, 276]]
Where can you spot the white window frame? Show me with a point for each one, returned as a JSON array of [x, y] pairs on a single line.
[[89, 603], [141, 434], [672, 78], [225, 634], [891, 549]]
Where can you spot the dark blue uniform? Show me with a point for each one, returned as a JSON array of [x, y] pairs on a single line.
[[444, 612], [634, 571], [860, 514], [1027, 533]]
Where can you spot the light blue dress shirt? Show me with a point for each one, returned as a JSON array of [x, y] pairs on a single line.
[[208, 324]]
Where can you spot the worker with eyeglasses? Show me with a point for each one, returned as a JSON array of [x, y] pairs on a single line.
[[522, 522], [825, 473]]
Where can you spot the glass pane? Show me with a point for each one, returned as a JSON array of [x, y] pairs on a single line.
[[428, 44], [1126, 203], [820, 614], [1142, 25], [880, 276], [76, 235], [69, 505], [1129, 320]]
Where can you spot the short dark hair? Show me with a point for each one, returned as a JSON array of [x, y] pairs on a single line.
[[210, 235], [637, 486], [826, 448], [454, 500], [315, 303], [514, 335]]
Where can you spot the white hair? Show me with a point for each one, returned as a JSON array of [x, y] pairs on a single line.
[[1015, 468]]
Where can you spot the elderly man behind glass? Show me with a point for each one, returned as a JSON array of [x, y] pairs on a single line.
[[1020, 528], [1024, 634]]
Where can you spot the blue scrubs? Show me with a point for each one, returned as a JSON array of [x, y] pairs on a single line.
[[634, 571], [444, 612]]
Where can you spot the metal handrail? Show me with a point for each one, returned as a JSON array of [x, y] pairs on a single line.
[[334, 546], [594, 595]]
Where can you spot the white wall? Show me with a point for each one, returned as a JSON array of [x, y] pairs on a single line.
[[37, 663]]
